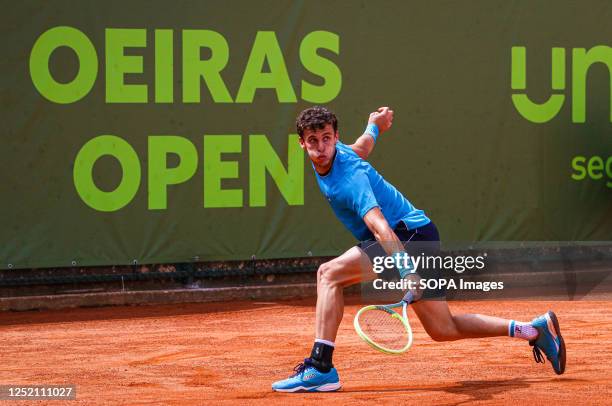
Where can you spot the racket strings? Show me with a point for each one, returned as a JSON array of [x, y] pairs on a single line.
[[383, 329]]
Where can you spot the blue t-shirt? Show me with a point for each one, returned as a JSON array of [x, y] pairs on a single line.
[[353, 187]]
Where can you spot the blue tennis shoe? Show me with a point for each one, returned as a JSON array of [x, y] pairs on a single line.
[[309, 379], [549, 341]]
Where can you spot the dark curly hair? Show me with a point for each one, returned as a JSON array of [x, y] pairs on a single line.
[[315, 118]]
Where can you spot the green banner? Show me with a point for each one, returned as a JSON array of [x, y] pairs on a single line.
[[147, 132]]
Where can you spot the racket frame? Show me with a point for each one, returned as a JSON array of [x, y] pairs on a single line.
[[403, 318]]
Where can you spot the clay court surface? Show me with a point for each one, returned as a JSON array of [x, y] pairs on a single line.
[[231, 352]]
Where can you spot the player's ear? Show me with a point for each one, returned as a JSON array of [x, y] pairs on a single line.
[[336, 136], [301, 141]]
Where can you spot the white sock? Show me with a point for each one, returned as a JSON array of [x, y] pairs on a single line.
[[522, 330], [322, 341]]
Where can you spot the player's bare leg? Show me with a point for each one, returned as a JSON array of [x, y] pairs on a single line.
[[442, 325], [543, 333], [332, 277], [317, 373]]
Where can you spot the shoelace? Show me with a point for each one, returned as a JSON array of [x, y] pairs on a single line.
[[537, 354], [300, 368]]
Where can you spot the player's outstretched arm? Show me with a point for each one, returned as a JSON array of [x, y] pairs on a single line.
[[392, 245], [383, 233], [379, 122]]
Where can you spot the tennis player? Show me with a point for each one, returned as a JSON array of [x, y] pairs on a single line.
[[384, 221]]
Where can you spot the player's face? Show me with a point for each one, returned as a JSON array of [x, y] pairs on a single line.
[[320, 145]]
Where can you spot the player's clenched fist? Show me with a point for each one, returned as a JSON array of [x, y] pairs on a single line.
[[383, 118]]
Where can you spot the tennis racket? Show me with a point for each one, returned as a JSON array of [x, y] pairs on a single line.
[[386, 327]]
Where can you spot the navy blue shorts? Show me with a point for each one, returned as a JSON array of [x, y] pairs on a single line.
[[419, 241], [428, 235]]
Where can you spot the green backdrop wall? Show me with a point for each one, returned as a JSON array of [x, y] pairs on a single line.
[[485, 165]]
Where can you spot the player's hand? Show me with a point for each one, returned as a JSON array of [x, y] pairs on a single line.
[[383, 118], [414, 291]]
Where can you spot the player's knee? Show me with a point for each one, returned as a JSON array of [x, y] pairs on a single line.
[[326, 274], [444, 333]]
